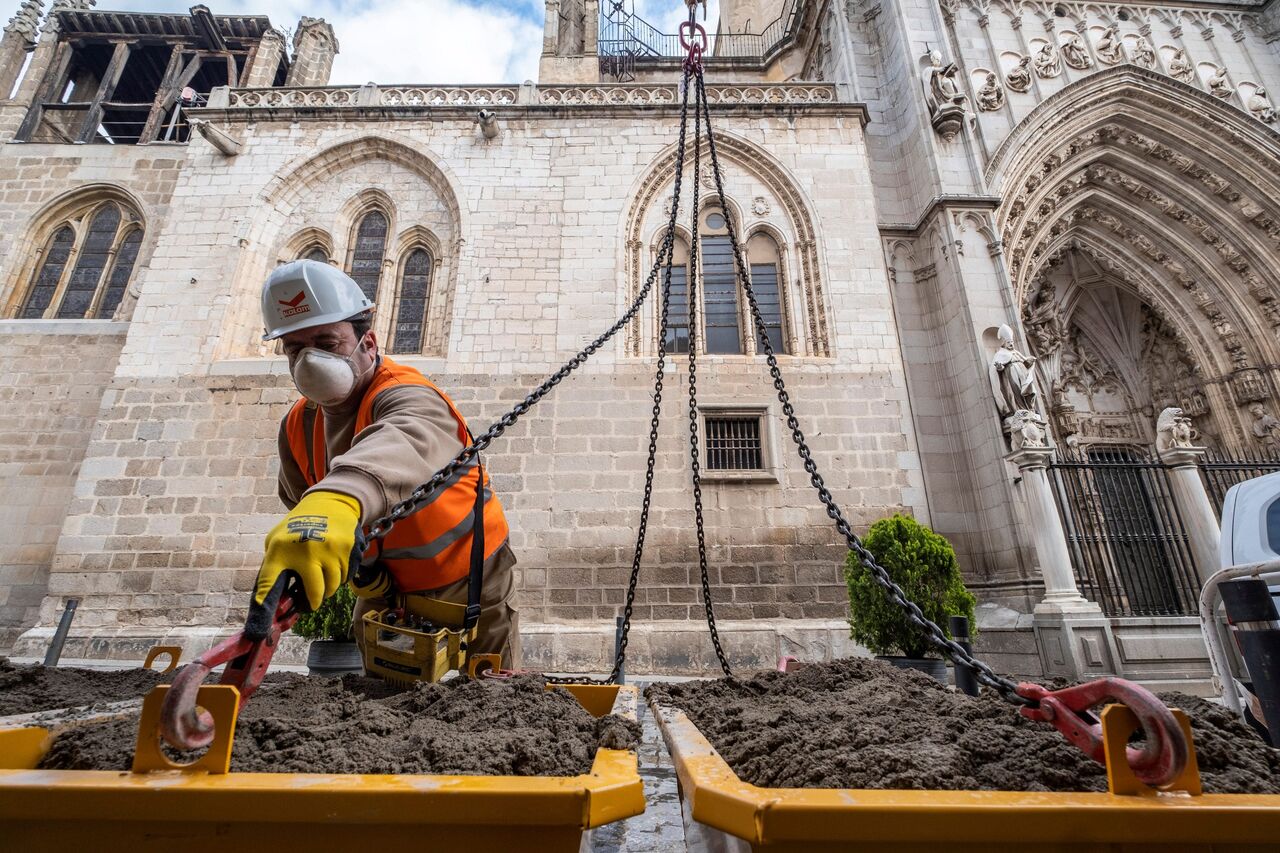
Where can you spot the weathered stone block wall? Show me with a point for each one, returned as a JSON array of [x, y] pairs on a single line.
[[165, 531], [179, 489], [52, 377]]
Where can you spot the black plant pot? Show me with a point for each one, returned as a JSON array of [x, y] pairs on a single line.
[[934, 667], [331, 658]]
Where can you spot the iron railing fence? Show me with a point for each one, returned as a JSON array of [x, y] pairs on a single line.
[[1221, 472], [623, 34], [1128, 544]]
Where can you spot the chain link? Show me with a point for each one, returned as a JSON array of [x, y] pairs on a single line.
[[949, 648], [380, 527], [694, 456]]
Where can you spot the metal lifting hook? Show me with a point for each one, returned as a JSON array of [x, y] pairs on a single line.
[[247, 654], [1159, 761]]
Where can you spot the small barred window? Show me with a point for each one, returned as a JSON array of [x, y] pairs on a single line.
[[734, 443]]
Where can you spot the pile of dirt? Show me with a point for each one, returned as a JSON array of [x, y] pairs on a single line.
[[861, 723], [361, 725], [27, 689]]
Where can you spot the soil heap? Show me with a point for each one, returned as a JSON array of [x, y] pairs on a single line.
[[27, 689], [362, 725], [859, 723]]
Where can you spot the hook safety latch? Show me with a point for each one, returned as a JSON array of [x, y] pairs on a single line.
[[1159, 761], [182, 724]]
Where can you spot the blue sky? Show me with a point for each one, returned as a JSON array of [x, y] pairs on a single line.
[[419, 41]]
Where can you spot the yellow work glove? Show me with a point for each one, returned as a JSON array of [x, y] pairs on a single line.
[[315, 540]]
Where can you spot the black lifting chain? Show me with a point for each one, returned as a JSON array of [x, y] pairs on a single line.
[[663, 263], [949, 648], [380, 527]]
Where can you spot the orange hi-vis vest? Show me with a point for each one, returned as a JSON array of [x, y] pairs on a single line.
[[432, 547]]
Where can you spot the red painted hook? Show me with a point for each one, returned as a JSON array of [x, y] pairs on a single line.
[[185, 726], [1160, 760]]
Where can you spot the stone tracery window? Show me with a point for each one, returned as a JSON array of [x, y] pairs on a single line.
[[723, 313], [86, 265], [412, 301], [368, 252]]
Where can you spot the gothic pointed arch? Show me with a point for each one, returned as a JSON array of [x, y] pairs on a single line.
[[1166, 203], [770, 195], [334, 191]]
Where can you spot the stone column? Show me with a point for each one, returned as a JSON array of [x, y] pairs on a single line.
[[18, 40], [314, 47], [266, 60], [1061, 595], [1194, 508], [1073, 636]]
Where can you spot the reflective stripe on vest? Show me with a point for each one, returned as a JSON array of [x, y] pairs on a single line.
[[432, 547]]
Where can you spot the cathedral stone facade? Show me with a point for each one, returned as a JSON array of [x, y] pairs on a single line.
[[908, 178]]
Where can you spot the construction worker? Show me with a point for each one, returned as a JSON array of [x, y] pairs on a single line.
[[367, 432]]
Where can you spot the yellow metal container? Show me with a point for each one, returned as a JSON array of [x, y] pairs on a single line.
[[63, 810], [724, 813]]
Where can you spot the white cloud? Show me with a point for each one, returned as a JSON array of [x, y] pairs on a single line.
[[402, 41]]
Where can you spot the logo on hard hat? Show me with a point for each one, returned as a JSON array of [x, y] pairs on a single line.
[[294, 306]]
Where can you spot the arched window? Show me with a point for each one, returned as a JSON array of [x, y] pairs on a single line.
[[316, 253], [101, 247], [367, 255], [766, 276], [49, 273], [721, 314], [678, 311], [411, 309]]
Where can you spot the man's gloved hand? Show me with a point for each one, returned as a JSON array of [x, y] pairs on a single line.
[[371, 581], [317, 540]]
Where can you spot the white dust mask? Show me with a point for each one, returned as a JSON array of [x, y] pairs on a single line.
[[324, 377]]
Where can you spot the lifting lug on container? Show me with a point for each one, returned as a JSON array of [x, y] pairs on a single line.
[[182, 724], [1160, 760]]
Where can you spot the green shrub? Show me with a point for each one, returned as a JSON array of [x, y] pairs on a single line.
[[924, 565], [332, 621]]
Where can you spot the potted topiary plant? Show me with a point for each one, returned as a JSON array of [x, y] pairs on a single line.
[[333, 652], [924, 565]]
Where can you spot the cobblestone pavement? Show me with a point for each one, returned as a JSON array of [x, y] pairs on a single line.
[[661, 827]]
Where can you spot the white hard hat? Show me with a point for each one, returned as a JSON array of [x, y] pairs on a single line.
[[303, 294]]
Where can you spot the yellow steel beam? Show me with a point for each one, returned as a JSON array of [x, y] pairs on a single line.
[[781, 819]]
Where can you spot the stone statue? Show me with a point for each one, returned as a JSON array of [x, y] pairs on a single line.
[[991, 95], [1109, 48], [1219, 86], [1260, 107], [1174, 430], [1266, 428], [1012, 375], [941, 83], [1074, 52], [1047, 61], [944, 96], [1143, 54], [1180, 67], [1019, 77]]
